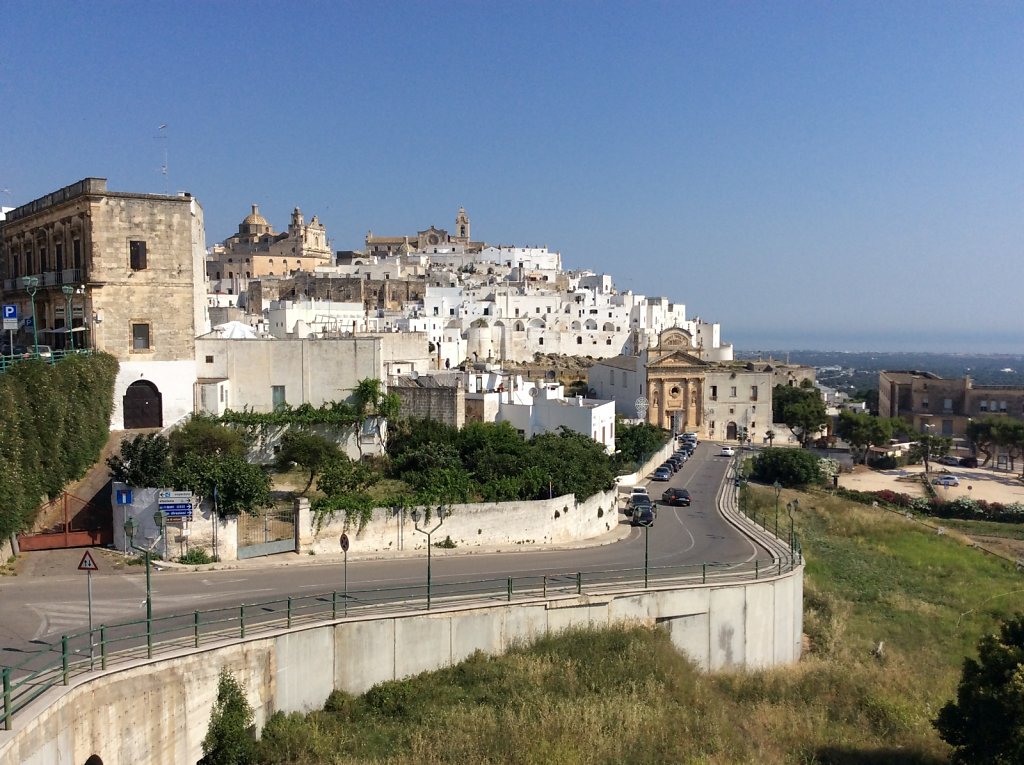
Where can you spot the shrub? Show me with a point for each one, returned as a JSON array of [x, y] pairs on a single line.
[[196, 557], [790, 467], [228, 740]]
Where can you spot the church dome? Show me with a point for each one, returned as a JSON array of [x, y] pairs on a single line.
[[254, 218]]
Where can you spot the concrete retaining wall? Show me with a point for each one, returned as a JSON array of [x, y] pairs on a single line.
[[158, 712]]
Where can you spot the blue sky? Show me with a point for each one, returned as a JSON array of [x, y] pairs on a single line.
[[828, 175]]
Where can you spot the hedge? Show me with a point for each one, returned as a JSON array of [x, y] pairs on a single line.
[[54, 423]]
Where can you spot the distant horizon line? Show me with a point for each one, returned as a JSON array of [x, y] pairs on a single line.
[[993, 354]]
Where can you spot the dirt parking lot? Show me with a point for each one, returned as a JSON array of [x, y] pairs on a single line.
[[978, 483]]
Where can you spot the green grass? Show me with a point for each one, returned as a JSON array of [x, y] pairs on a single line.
[[625, 695]]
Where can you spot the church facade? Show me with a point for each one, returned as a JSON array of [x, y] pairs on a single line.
[[257, 250]]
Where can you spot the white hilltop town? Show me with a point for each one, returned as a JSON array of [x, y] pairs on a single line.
[[462, 330]]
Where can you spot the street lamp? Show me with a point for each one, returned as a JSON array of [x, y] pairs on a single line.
[[68, 291], [31, 284], [160, 517], [778, 489], [792, 507], [129, 530], [416, 522]]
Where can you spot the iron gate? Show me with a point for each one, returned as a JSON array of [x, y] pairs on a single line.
[[266, 533]]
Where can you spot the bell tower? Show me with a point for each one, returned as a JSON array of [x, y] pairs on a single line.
[[462, 226]]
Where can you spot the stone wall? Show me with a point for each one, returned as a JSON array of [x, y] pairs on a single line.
[[443, 404]]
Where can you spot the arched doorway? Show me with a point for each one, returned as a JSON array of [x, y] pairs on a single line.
[[143, 406], [730, 431], [94, 760]]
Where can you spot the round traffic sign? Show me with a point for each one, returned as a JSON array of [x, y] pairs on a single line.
[[344, 542]]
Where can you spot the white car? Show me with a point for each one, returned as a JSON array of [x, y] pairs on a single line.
[[727, 451], [946, 480], [637, 491]]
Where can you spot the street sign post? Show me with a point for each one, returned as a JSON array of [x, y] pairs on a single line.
[[175, 504], [344, 549], [88, 565]]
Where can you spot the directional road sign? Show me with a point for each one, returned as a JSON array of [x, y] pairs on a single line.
[[88, 564]]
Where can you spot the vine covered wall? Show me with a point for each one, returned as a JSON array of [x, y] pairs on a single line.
[[54, 422]]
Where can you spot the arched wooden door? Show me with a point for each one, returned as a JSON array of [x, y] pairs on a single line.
[[730, 431], [143, 406]]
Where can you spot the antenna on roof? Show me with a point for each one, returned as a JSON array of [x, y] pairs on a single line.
[[163, 167]]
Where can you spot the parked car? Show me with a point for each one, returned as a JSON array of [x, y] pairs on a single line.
[[969, 462], [662, 474], [948, 461], [946, 481], [677, 462], [45, 352], [640, 500], [676, 497], [727, 451], [670, 467], [638, 490], [644, 516]]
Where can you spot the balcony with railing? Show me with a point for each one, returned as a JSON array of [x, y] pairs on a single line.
[[46, 279]]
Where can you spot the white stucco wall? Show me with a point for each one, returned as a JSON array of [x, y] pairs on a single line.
[[174, 379], [485, 524]]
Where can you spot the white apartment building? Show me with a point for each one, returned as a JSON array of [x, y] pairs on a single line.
[[543, 408]]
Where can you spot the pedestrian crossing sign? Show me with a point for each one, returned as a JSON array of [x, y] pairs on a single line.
[[88, 564]]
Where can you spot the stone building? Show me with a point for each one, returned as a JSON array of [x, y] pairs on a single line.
[[257, 250], [133, 265], [944, 406], [425, 241], [670, 386]]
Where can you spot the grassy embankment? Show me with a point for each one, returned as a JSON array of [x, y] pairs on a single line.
[[625, 696]]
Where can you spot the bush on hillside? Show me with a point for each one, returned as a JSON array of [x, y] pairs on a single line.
[[790, 467], [986, 721]]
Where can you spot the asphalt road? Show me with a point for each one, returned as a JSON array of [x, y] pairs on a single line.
[[36, 611]]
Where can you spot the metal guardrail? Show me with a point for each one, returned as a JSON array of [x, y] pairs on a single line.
[[112, 645], [6, 362]]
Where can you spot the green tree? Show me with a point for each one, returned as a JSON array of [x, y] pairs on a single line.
[[635, 442], [572, 462], [790, 467], [800, 409], [862, 431], [228, 739], [342, 476], [144, 461], [929, 447], [310, 451], [240, 487], [982, 435], [986, 721], [204, 435]]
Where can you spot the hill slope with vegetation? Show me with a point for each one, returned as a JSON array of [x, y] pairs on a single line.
[[892, 608]]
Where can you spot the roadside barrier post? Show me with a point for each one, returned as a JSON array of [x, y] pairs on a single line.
[[64, 657], [195, 628], [103, 646], [7, 698]]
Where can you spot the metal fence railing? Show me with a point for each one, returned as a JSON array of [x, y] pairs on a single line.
[[30, 354], [108, 646]]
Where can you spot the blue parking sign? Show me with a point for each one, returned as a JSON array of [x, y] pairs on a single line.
[[10, 312]]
